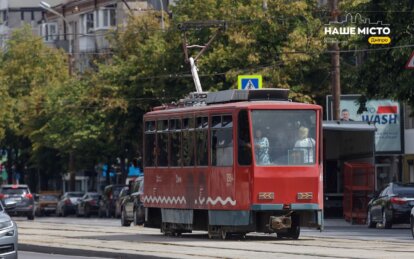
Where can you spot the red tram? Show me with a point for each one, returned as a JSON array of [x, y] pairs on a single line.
[[245, 161]]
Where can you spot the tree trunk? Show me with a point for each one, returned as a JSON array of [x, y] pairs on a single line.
[[72, 172]]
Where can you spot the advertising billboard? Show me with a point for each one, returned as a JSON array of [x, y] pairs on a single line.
[[384, 114]]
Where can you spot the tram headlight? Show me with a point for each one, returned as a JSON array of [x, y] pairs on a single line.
[[266, 195], [305, 195]]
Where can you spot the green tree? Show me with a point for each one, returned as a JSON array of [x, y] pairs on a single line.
[[26, 66], [381, 72]]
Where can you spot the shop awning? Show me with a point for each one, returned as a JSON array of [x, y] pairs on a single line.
[[348, 126]]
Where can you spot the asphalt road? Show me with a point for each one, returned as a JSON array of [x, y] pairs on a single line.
[[32, 255], [106, 238]]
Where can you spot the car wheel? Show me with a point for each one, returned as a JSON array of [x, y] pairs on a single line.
[[30, 216], [124, 221], [138, 215], [87, 212], [294, 230], [385, 222], [370, 223]]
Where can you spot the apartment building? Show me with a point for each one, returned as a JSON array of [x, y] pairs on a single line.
[[15, 13], [81, 26]]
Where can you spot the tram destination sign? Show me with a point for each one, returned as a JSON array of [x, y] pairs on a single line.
[[249, 82]]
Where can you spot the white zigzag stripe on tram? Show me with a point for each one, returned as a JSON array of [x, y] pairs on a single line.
[[223, 202], [165, 200]]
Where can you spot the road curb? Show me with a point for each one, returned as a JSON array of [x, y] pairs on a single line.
[[81, 252]]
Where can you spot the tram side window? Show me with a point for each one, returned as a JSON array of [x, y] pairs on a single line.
[[222, 141], [175, 133], [162, 143], [188, 142], [149, 143], [202, 141], [244, 143]]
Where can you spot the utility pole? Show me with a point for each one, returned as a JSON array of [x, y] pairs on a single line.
[[336, 83], [198, 25]]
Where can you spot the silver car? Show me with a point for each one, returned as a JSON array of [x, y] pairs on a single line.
[[8, 234]]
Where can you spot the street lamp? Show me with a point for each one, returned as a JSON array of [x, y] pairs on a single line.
[[162, 15], [49, 8]]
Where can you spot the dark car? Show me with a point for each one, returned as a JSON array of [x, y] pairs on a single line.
[[88, 204], [391, 206], [124, 193], [108, 201], [46, 203], [21, 195], [68, 203], [132, 208]]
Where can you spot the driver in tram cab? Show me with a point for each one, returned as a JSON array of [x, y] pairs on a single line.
[[261, 148], [306, 144]]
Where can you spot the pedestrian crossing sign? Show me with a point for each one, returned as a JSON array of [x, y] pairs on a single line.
[[250, 82]]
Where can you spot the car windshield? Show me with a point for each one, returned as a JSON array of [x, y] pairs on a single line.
[[117, 190], [284, 137], [404, 191], [14, 191], [95, 196], [75, 194], [48, 198]]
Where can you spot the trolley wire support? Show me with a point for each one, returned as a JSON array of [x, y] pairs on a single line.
[[198, 25]]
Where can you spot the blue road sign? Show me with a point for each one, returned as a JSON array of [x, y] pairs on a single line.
[[249, 82]]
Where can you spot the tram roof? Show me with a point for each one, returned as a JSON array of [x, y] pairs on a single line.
[[279, 105]]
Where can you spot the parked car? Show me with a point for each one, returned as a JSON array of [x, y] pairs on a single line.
[[108, 201], [21, 195], [9, 236], [46, 203], [124, 192], [132, 208], [391, 206], [88, 204], [68, 203]]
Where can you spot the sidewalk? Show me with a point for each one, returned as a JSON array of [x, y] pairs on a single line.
[[340, 222]]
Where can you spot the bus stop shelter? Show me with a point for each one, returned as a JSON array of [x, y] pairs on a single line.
[[343, 142]]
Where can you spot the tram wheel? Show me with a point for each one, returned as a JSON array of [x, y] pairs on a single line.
[[294, 230]]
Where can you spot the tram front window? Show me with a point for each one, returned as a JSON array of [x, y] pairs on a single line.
[[284, 137]]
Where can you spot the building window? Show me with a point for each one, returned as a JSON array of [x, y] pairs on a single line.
[[49, 32], [3, 17], [109, 17], [88, 23], [106, 18]]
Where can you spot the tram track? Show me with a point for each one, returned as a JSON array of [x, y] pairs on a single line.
[[139, 240]]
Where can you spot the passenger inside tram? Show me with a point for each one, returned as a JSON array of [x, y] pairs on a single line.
[[284, 137], [261, 144], [306, 145]]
